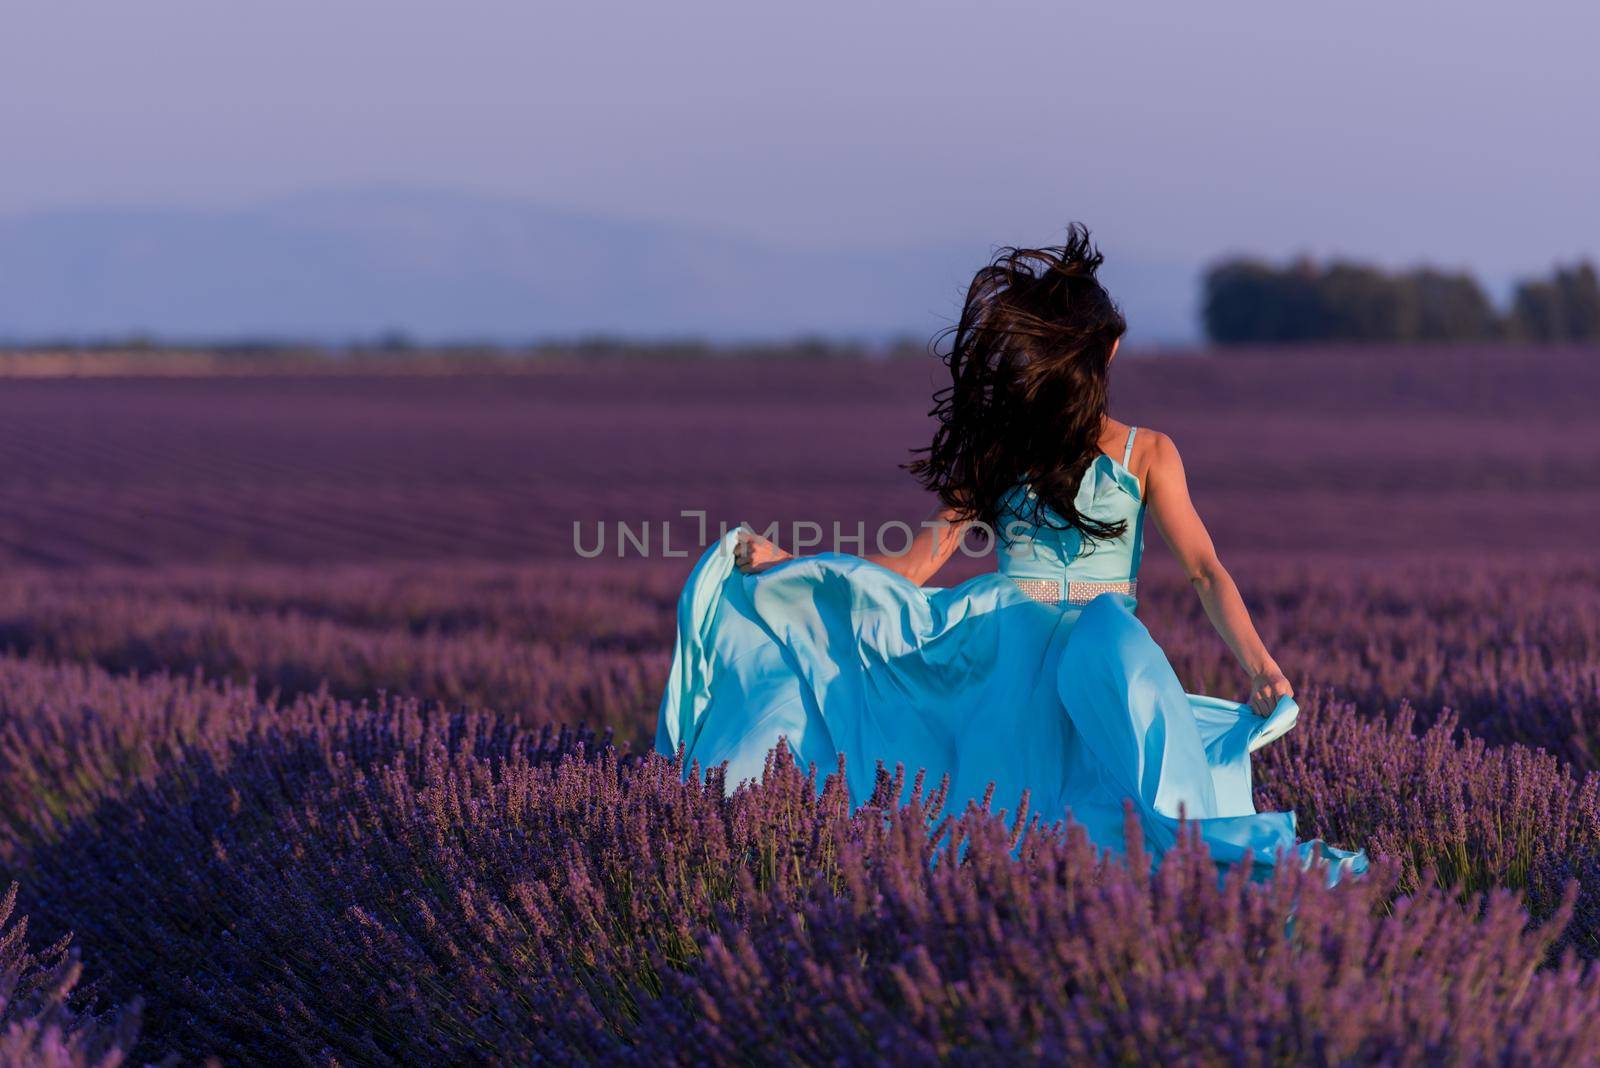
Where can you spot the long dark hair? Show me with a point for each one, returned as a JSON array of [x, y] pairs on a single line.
[[1028, 386]]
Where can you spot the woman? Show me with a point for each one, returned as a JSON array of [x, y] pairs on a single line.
[[1036, 678]]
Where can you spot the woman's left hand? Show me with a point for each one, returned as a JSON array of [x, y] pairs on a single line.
[[1266, 687], [753, 554]]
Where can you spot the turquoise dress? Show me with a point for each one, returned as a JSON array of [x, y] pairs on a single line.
[[1036, 678]]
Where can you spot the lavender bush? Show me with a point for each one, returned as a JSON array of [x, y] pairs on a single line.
[[271, 860], [463, 891], [588, 642], [1442, 806], [43, 1023], [534, 648]]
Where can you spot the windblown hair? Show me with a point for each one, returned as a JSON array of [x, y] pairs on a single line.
[[1028, 387]]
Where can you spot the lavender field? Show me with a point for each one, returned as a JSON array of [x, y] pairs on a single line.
[[319, 743]]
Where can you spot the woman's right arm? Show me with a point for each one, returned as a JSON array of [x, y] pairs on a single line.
[[1166, 489]]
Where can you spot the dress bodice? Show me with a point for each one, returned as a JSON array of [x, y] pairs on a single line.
[[1050, 563]]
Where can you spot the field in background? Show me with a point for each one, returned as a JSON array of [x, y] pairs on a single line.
[[280, 646], [1353, 452]]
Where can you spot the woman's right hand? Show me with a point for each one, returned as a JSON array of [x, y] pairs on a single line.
[[753, 554]]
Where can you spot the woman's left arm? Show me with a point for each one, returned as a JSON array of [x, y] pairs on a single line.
[[1166, 490], [934, 544], [935, 541]]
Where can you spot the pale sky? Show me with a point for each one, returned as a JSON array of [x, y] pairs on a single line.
[[1463, 133]]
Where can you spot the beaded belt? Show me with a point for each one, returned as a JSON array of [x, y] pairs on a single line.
[[1077, 593]]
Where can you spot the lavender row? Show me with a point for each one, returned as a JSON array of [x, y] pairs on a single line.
[[293, 651], [380, 885], [1366, 451], [1512, 648], [465, 892], [1443, 805]]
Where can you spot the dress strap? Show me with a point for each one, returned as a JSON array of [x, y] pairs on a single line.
[[1127, 451]]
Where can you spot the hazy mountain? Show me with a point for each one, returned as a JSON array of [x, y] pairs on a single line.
[[337, 265]]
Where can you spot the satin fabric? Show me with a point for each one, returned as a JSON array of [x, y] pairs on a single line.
[[832, 655], [1076, 706]]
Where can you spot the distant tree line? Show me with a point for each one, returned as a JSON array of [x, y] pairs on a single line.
[[1249, 300]]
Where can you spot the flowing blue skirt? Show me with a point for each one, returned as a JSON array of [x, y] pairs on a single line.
[[834, 657]]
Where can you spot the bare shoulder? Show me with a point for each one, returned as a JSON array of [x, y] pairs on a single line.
[[1154, 440], [1154, 452]]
